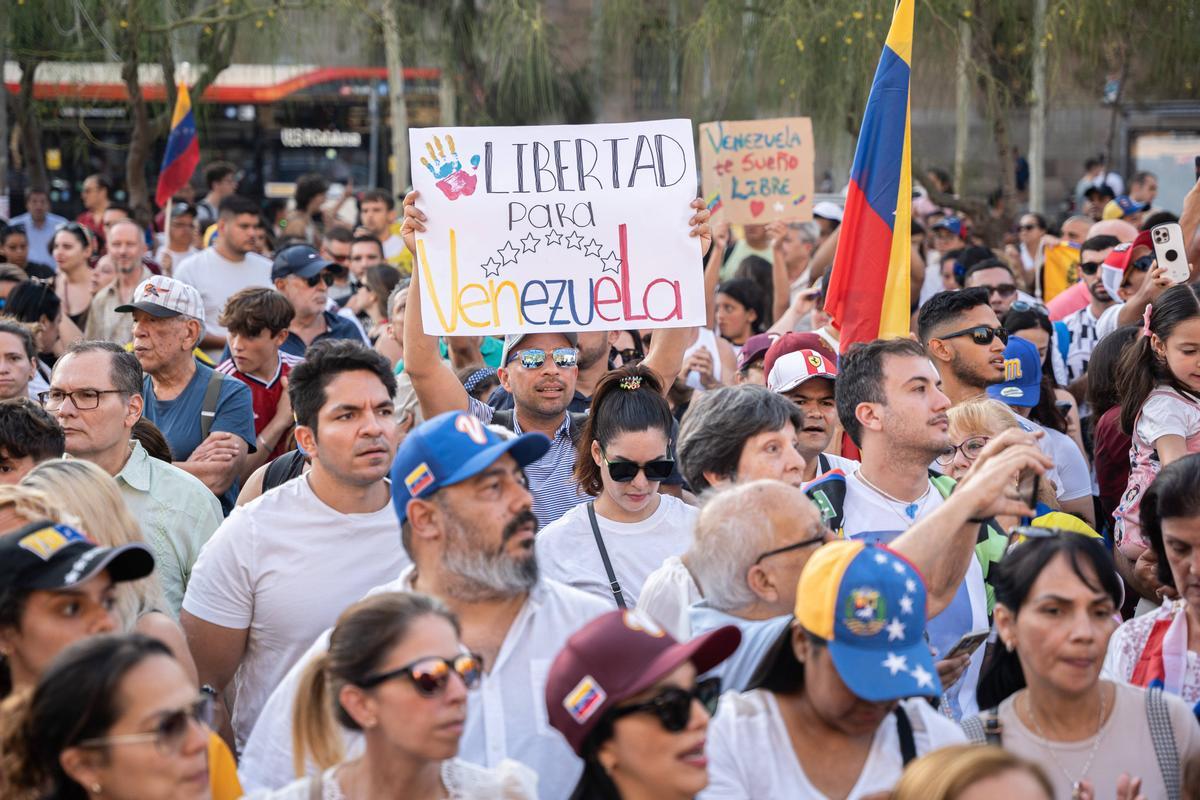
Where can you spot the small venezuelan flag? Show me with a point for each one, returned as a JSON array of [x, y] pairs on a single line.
[[868, 294], [183, 150]]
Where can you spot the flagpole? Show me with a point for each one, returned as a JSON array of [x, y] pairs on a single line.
[[167, 232]]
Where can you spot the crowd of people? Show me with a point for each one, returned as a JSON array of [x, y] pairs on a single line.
[[261, 535]]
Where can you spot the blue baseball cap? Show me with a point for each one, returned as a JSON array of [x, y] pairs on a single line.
[[450, 448], [952, 224], [1022, 375], [301, 260]]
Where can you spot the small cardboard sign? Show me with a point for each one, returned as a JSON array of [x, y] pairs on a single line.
[[756, 171]]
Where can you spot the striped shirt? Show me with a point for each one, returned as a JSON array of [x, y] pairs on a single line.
[[1084, 335], [551, 478]]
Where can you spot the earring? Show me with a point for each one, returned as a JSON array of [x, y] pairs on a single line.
[[97, 789], [1010, 646]]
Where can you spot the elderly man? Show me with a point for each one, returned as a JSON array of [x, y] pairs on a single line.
[[298, 274], [125, 248], [469, 529], [96, 395], [208, 419]]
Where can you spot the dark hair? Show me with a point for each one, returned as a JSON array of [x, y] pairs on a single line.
[[77, 698], [101, 180], [336, 233], [974, 254], [84, 235], [152, 440], [124, 370], [1140, 369], [616, 410], [1098, 243], [1013, 579], [371, 239], [947, 306], [235, 206], [27, 429], [323, 362], [1102, 369], [980, 266], [377, 196], [218, 171], [22, 332], [1158, 218], [122, 207], [719, 422], [758, 269], [1041, 221], [860, 377], [381, 279], [307, 187], [252, 310], [1174, 494], [31, 300], [748, 293], [780, 672], [7, 232]]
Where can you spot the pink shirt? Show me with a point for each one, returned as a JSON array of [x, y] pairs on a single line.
[[1068, 302]]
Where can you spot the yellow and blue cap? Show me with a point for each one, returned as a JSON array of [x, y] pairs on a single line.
[[1022, 375]]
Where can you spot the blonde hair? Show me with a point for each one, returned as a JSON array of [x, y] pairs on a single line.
[[981, 417], [87, 492], [33, 504], [947, 773]]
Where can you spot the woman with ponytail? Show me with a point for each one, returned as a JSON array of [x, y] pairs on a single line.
[[1158, 380], [609, 546], [397, 673], [1057, 595]]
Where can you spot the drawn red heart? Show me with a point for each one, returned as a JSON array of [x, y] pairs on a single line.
[[756, 207]]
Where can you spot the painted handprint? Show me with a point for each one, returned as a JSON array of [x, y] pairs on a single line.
[[453, 180]]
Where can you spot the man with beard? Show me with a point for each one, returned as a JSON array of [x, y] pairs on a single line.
[[126, 248], [1082, 324], [280, 569], [466, 519]]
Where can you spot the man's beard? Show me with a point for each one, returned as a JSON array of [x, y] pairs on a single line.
[[476, 574], [1099, 293], [974, 376]]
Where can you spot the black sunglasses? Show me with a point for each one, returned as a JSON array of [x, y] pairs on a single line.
[[1143, 264], [431, 675], [170, 732], [980, 334], [794, 546], [630, 355], [624, 471], [673, 706], [1090, 268], [1027, 227]]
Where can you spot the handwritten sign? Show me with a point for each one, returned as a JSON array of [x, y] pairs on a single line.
[[758, 170], [557, 227]]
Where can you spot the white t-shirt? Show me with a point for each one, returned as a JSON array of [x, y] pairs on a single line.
[[285, 566], [177, 257], [1108, 321], [1166, 415], [668, 595], [506, 713], [751, 756], [567, 549], [1072, 476], [874, 518], [510, 780], [217, 279]]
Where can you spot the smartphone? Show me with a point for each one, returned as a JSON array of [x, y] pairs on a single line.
[[1170, 251], [968, 644], [1027, 488], [1198, 168]]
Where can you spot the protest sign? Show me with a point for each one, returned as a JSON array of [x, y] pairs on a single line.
[[758, 170], [557, 227]]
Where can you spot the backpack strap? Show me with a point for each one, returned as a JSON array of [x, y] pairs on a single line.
[[504, 419], [208, 411], [613, 583], [823, 464], [1162, 734], [984, 729], [283, 469], [908, 743]]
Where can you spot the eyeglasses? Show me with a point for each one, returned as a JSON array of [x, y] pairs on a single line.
[[1025, 305], [624, 471], [1003, 289], [795, 546], [82, 399], [980, 334], [673, 706], [430, 676], [970, 448], [564, 357], [170, 732], [1090, 268]]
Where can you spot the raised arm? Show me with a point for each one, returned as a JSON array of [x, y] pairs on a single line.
[[780, 284], [668, 344], [712, 273], [438, 389]]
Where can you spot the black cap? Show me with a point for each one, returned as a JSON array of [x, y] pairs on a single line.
[[50, 556], [301, 260]]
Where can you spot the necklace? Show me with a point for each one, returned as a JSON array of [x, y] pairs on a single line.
[[910, 509], [1076, 783]]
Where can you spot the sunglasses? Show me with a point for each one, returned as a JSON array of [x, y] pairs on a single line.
[[794, 546], [970, 448], [1090, 268], [1142, 264], [673, 706], [980, 334], [431, 675], [1003, 289], [564, 357], [1027, 227], [624, 471], [170, 732], [630, 355]]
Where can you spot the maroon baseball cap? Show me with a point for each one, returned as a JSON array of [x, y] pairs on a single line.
[[615, 657], [794, 343], [755, 347]]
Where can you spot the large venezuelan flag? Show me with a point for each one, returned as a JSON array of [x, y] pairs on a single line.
[[183, 150], [868, 294]]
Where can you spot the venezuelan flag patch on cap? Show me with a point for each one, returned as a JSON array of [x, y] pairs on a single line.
[[419, 479]]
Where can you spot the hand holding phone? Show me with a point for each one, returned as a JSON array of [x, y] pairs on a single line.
[[968, 644], [1170, 251]]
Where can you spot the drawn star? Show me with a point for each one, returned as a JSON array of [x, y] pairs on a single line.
[[880, 558], [895, 629], [592, 248], [896, 663], [574, 240], [529, 243], [910, 585], [778, 206], [896, 565], [554, 237], [923, 676], [906, 604], [508, 253], [495, 265], [611, 263]]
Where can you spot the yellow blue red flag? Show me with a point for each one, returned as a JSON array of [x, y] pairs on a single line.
[[183, 150], [868, 295]]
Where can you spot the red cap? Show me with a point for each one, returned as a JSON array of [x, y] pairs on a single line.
[[794, 343], [754, 347], [1122, 255], [615, 657]]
